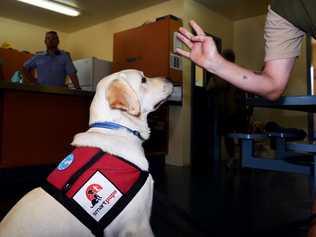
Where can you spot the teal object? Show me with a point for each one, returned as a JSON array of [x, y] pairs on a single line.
[[65, 163], [17, 77]]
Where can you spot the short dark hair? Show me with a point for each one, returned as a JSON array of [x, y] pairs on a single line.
[[229, 55]]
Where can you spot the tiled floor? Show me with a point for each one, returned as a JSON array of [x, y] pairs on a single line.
[[224, 203]]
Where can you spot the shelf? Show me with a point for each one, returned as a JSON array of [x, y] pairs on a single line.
[[248, 136], [301, 147], [298, 103]]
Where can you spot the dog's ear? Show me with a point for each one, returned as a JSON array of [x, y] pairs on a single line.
[[121, 96]]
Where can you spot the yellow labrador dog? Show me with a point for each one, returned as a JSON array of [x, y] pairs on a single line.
[[118, 114]]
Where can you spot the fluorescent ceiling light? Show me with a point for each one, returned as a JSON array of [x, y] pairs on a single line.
[[53, 6]]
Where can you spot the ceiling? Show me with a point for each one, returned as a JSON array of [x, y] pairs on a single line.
[[97, 11], [92, 12], [237, 9]]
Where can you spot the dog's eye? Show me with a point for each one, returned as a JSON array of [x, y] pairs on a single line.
[[144, 80]]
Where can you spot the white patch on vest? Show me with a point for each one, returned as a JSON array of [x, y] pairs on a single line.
[[104, 194]]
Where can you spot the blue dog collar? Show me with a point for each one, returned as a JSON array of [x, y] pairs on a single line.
[[111, 125]]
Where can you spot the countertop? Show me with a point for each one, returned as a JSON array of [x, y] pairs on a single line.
[[298, 103], [43, 89]]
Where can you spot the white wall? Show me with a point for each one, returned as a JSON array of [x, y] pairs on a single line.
[[180, 117], [97, 40], [24, 36]]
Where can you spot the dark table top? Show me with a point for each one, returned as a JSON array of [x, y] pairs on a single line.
[[298, 103], [36, 88]]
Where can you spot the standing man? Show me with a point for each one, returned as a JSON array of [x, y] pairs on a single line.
[[52, 65], [286, 24]]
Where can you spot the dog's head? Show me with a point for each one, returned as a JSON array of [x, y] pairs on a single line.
[[127, 97]]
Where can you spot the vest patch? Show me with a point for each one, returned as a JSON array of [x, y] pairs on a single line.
[[65, 163], [97, 196], [95, 186]]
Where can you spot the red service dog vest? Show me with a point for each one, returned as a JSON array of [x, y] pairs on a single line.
[[95, 186]]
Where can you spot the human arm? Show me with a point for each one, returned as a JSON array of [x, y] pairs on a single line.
[[270, 83], [72, 72], [75, 81], [27, 75], [27, 68], [202, 50]]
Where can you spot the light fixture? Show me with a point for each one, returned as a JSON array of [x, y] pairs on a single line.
[[53, 6]]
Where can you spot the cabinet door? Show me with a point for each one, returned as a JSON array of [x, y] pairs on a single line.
[[155, 49], [127, 50], [13, 60], [48, 127], [145, 48]]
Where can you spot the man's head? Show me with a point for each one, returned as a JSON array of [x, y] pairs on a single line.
[[51, 40], [229, 55]]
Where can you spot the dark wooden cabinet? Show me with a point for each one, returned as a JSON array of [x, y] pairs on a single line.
[[38, 123], [150, 48], [11, 60]]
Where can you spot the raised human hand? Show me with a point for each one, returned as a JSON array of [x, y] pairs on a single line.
[[202, 48]]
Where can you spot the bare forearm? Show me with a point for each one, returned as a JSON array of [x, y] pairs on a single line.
[[75, 81], [202, 50], [266, 84]]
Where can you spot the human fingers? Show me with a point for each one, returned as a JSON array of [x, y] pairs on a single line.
[[197, 28], [185, 32], [185, 40], [198, 38], [183, 52]]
